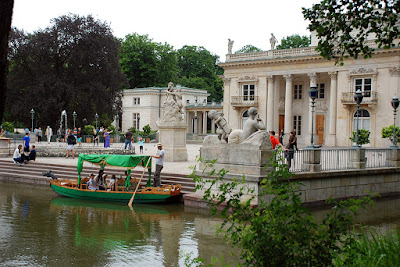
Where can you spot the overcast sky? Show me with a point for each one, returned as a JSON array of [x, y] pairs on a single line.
[[207, 23]]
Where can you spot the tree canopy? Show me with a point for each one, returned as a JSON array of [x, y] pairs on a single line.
[[248, 49], [344, 26], [294, 41], [147, 63], [71, 65]]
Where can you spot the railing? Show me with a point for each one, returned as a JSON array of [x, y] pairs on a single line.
[[369, 98], [337, 159], [295, 52], [244, 101]]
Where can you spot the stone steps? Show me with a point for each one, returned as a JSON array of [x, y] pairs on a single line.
[[32, 173]]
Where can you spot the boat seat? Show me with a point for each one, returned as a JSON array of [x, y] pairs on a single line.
[[84, 182], [120, 185]]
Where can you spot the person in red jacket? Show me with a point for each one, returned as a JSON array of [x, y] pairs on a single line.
[[274, 141]]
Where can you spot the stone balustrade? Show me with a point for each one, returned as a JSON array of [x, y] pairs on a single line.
[[369, 98]]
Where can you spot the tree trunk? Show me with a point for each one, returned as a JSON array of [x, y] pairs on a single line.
[[6, 10]]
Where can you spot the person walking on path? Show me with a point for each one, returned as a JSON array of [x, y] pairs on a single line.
[[95, 137], [39, 135], [49, 133], [140, 142], [159, 165], [107, 138], [26, 140], [71, 141], [128, 139]]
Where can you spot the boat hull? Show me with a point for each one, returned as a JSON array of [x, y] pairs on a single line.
[[112, 196]]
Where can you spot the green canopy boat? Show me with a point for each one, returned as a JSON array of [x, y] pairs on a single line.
[[120, 191]]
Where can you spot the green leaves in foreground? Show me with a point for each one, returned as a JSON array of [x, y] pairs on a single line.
[[279, 231]]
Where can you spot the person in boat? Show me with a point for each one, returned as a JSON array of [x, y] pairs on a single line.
[[100, 179], [111, 183], [159, 165], [92, 184]]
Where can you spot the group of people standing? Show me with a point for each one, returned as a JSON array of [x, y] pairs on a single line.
[[129, 140], [290, 147]]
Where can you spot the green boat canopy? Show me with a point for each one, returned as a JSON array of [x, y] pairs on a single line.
[[123, 161]]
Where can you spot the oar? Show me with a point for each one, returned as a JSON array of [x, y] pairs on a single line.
[[137, 186]]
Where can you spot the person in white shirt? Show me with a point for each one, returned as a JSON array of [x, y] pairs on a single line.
[[159, 165], [18, 157], [92, 184], [111, 183], [49, 133]]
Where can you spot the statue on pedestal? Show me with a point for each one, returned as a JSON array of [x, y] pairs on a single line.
[[230, 45], [223, 128], [272, 41], [173, 104]]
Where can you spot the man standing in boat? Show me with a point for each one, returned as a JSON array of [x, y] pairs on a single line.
[[159, 165]]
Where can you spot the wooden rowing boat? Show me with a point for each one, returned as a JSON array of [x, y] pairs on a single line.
[[75, 188]]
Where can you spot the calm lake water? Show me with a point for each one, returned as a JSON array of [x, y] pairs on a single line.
[[38, 228]]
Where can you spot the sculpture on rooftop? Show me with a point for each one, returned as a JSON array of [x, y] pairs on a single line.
[[230, 45], [272, 41]]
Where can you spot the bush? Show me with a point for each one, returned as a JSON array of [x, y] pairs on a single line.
[[146, 130], [279, 231], [363, 137], [88, 129], [387, 132], [111, 128], [8, 126], [133, 130]]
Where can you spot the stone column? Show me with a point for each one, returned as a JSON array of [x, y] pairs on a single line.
[[204, 122], [195, 122], [270, 103], [332, 109], [313, 82], [358, 158], [288, 106]]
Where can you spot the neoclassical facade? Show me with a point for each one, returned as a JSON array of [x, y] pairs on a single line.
[[276, 82]]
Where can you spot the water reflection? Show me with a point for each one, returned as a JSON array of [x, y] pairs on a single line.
[[39, 228]]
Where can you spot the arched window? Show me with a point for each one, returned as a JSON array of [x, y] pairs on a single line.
[[245, 117], [364, 121]]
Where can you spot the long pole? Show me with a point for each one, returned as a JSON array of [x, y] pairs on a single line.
[[358, 114], [312, 122], [137, 186], [394, 128]]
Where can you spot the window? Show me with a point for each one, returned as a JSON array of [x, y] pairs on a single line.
[[248, 92], [364, 85], [297, 124], [364, 121], [136, 101], [321, 90], [136, 120], [298, 91]]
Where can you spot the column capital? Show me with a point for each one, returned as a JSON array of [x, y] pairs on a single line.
[[270, 77], [288, 77], [333, 74]]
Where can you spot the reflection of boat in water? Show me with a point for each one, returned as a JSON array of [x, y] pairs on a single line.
[[77, 188]]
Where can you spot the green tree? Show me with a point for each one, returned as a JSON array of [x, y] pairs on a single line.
[[387, 132], [6, 11], [248, 49], [363, 137], [71, 65], [147, 63], [343, 27], [198, 66], [279, 231], [294, 41]]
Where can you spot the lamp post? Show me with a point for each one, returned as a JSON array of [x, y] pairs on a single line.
[[358, 97], [97, 117], [195, 123], [74, 115], [313, 93], [33, 117], [138, 122], [395, 104], [117, 123]]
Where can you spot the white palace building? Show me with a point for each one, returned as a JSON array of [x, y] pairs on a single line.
[[276, 82]]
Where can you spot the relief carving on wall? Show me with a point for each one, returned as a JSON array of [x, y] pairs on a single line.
[[395, 71], [321, 106], [281, 104], [362, 71]]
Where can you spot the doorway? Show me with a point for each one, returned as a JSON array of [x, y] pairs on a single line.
[[320, 128], [281, 123]]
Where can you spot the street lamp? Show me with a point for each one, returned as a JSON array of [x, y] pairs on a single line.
[[33, 117], [195, 123], [138, 122], [74, 115], [395, 104], [97, 117], [117, 122], [313, 93], [358, 97]]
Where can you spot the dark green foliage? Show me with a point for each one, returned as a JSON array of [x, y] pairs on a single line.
[[369, 248], [197, 68], [147, 63], [72, 65], [88, 129], [387, 132], [8, 126], [363, 137], [294, 41], [279, 231], [146, 129], [248, 49], [343, 26]]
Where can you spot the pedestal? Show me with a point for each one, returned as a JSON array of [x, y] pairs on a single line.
[[172, 135], [4, 147]]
